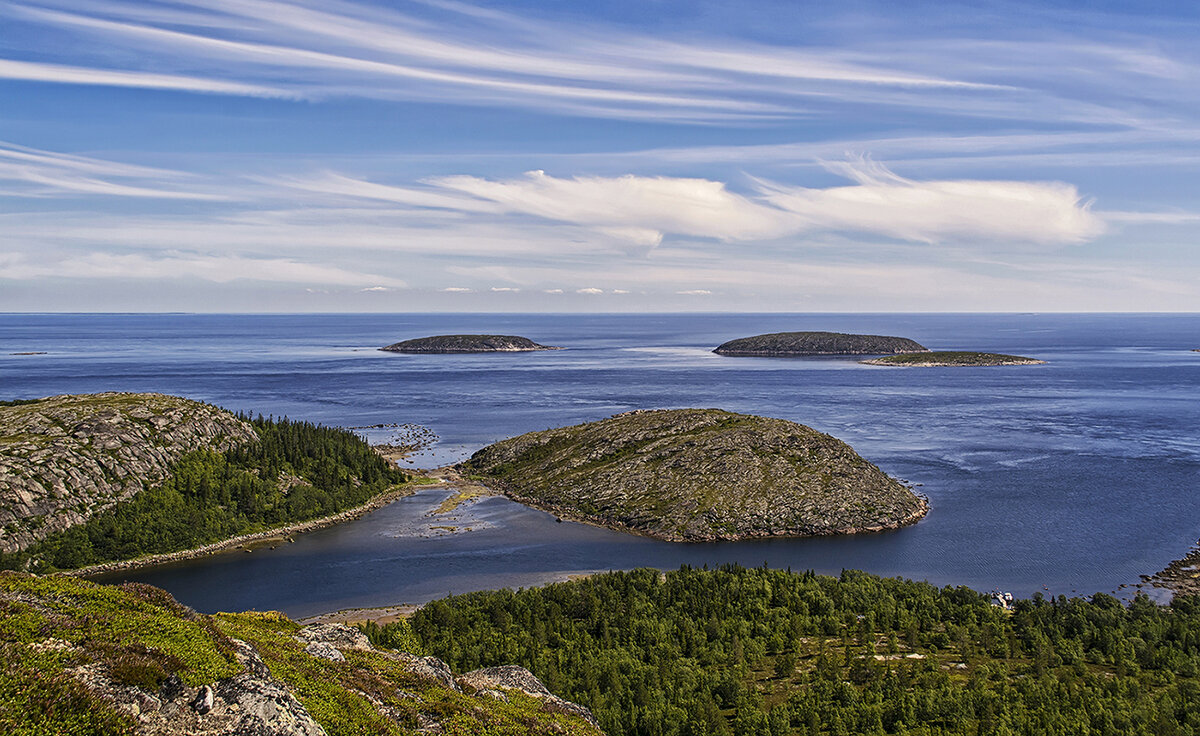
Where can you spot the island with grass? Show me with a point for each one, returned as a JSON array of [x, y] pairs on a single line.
[[800, 344], [467, 344], [698, 475], [951, 358]]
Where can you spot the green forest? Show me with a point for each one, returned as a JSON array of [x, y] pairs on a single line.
[[752, 652], [296, 471]]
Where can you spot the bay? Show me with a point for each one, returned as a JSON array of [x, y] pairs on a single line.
[[1076, 476]]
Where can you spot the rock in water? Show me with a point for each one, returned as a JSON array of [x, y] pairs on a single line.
[[699, 474], [467, 344], [791, 344]]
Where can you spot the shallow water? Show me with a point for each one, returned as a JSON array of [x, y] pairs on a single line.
[[1078, 475]]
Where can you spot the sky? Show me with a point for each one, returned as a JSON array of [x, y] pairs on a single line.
[[601, 156]]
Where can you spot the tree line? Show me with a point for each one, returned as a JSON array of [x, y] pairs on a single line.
[[761, 652]]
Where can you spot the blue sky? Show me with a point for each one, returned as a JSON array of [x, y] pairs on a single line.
[[288, 155]]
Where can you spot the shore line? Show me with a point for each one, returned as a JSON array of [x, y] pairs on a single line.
[[375, 503]]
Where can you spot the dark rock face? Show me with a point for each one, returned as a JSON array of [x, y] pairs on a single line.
[[65, 458], [699, 474], [467, 344], [784, 344]]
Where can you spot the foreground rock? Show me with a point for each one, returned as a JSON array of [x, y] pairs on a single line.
[[467, 344], [699, 474], [789, 344], [65, 458], [951, 359], [84, 658]]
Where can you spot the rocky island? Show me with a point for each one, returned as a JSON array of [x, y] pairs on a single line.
[[698, 475], [951, 358], [796, 344], [467, 344]]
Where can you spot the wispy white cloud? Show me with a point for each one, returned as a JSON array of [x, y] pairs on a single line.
[[694, 292], [64, 74], [218, 268], [443, 52], [591, 290], [44, 174]]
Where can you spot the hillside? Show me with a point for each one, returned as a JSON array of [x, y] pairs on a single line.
[[65, 458], [97, 478], [785, 344], [949, 358], [87, 659], [467, 344], [759, 652], [698, 474]]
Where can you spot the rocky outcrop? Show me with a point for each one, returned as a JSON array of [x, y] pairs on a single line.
[[792, 344], [952, 359], [698, 475], [80, 657], [494, 681], [65, 458], [467, 344]]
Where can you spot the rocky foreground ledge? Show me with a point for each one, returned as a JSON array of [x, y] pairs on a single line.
[[698, 475], [467, 344], [94, 659], [797, 344]]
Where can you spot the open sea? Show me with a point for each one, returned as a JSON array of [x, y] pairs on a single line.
[[1072, 477]]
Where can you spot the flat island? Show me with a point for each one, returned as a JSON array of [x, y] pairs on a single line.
[[467, 344], [791, 344], [698, 475], [951, 358]]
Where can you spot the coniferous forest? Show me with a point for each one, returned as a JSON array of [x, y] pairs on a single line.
[[758, 652], [297, 471]]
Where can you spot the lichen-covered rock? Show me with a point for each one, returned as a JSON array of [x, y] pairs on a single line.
[[492, 681], [65, 458], [80, 657], [699, 474], [785, 344]]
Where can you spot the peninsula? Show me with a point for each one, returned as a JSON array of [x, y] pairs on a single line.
[[467, 344], [952, 358], [90, 479], [794, 344], [698, 475]]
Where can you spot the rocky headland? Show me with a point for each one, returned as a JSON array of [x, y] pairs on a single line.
[[796, 344], [65, 458], [467, 344], [84, 658], [949, 358], [698, 475]]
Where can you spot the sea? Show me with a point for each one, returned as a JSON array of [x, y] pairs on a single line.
[[1073, 477]]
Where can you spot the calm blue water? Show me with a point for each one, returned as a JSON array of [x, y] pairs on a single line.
[[1074, 476]]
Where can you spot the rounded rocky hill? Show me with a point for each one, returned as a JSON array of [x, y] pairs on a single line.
[[467, 344], [790, 344], [698, 474], [65, 458]]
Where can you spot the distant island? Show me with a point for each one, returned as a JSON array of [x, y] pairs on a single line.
[[951, 358], [467, 344], [698, 475], [789, 344]]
